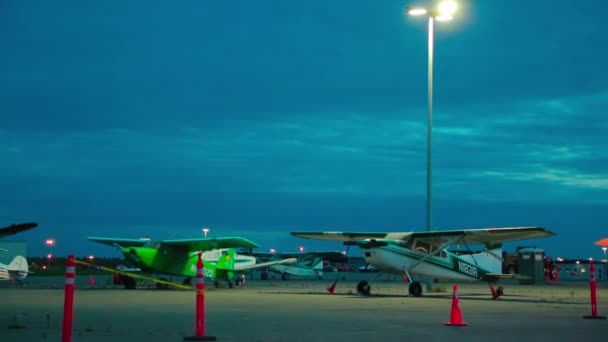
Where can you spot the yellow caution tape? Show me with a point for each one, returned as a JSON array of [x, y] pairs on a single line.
[[159, 281]]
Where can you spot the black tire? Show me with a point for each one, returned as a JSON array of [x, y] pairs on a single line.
[[264, 276], [415, 289], [364, 288], [284, 276], [129, 282]]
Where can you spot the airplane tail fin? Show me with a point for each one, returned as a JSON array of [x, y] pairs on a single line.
[[19, 265], [226, 261]]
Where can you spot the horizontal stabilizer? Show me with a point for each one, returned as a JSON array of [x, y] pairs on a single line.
[[266, 264], [496, 276]]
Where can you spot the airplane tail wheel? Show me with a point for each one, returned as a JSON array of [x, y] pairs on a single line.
[[364, 288], [415, 289]]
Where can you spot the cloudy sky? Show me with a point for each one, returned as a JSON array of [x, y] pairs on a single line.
[[257, 118]]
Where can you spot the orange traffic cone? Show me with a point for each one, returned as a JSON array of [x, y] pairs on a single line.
[[91, 281], [455, 315], [332, 287]]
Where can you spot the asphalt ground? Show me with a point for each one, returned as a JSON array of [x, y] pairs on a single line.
[[303, 310]]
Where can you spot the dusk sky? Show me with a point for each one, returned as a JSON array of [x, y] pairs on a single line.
[[257, 118]]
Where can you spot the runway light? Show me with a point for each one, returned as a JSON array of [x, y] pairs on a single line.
[[49, 242], [49, 256], [301, 249], [90, 257]]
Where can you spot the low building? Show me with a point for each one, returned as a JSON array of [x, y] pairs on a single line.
[[578, 269]]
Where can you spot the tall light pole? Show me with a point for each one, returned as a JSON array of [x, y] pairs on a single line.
[[205, 231], [444, 12]]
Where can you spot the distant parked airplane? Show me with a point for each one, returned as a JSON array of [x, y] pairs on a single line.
[[179, 257], [18, 268], [308, 264]]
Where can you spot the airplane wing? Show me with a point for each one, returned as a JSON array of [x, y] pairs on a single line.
[[207, 244], [438, 237], [17, 228], [120, 241], [265, 264], [350, 236], [483, 236]]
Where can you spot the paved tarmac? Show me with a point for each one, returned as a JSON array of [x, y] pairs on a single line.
[[298, 310]]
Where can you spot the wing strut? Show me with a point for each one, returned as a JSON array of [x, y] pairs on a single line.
[[437, 251]]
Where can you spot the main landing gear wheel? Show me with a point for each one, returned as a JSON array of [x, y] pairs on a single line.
[[364, 288], [415, 289]]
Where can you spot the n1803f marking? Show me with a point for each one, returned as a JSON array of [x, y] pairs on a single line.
[[467, 269]]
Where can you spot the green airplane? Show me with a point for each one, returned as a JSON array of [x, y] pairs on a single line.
[[179, 257]]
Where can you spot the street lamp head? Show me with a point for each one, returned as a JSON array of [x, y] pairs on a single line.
[[416, 11], [447, 8], [443, 12]]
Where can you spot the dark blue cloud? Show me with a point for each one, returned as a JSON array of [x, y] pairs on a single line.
[[148, 119]]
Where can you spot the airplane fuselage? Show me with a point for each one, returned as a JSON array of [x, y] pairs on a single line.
[[443, 265], [173, 263]]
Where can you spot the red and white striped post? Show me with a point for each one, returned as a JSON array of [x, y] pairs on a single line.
[[68, 304], [199, 321], [593, 286]]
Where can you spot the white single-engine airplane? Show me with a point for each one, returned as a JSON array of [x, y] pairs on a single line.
[[18, 268], [425, 254]]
